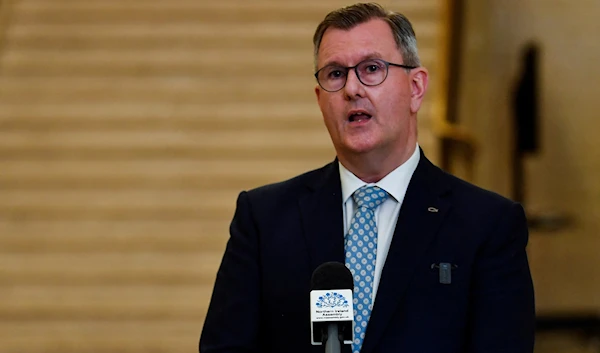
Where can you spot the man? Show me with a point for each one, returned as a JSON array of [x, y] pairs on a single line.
[[439, 265]]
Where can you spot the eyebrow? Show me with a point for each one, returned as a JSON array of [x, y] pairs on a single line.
[[371, 55]]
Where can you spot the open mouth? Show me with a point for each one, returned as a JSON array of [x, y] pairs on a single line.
[[359, 117]]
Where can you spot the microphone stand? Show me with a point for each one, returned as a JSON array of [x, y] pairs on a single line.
[[332, 343]]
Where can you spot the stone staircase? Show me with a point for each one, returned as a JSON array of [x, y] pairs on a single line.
[[127, 129]]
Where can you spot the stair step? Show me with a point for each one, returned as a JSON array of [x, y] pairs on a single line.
[[178, 36], [161, 110], [174, 139], [134, 199], [146, 62], [112, 214], [98, 270], [146, 175], [93, 336], [318, 7], [101, 90], [71, 237]]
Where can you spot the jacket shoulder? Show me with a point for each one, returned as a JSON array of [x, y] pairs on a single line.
[[296, 184], [471, 192], [481, 208]]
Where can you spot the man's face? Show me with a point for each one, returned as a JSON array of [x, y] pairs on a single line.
[[363, 119]]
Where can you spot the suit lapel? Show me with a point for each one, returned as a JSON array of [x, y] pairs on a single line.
[[322, 217], [415, 231]]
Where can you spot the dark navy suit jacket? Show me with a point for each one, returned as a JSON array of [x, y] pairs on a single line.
[[281, 232]]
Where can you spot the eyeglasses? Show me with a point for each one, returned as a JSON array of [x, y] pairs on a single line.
[[370, 72]]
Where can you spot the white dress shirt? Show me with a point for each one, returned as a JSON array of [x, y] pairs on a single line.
[[386, 215]]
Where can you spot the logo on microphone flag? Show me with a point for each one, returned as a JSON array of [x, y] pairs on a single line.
[[331, 305], [332, 300]]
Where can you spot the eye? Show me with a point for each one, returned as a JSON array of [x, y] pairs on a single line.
[[372, 68], [335, 73]]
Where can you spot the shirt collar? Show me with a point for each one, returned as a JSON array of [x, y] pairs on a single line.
[[395, 183]]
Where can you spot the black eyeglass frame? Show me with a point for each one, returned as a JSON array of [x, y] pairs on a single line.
[[355, 67]]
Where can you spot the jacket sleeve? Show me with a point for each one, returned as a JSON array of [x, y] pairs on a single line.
[[232, 321], [502, 315]]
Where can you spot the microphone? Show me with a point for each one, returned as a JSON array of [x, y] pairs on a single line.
[[331, 307]]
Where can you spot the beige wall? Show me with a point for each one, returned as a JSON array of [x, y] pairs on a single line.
[[563, 178]]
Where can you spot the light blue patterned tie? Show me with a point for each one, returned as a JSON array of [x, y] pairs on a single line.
[[361, 253]]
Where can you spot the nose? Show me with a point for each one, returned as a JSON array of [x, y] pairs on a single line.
[[354, 88]]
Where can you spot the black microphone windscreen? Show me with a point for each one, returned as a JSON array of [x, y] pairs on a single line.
[[331, 275]]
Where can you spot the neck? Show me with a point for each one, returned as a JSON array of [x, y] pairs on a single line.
[[372, 166]]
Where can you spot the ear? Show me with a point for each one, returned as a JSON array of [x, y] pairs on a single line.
[[419, 81], [318, 91]]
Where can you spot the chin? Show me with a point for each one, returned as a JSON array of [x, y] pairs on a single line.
[[360, 147]]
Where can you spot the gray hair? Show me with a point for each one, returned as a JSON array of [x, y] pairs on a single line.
[[348, 17]]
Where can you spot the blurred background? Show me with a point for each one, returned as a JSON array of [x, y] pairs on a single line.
[[128, 127]]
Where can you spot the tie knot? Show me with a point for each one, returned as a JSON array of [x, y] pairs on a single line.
[[370, 196]]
